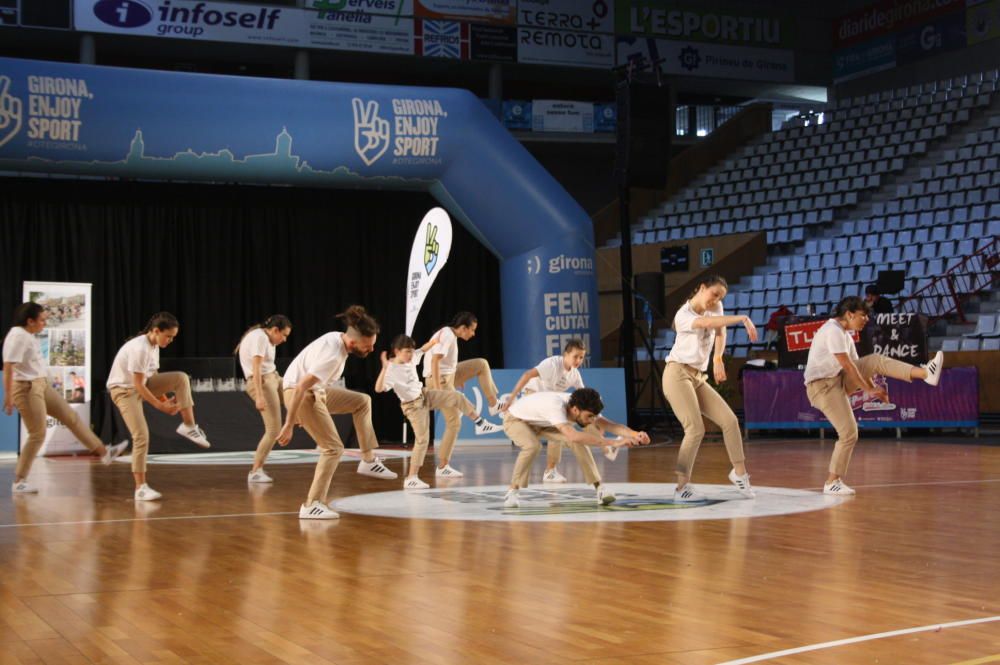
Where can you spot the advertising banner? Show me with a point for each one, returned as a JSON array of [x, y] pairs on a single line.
[[982, 20], [710, 60], [663, 18], [441, 39], [942, 34], [610, 382], [324, 24], [777, 400], [497, 43], [482, 11], [517, 114], [886, 17], [795, 336], [902, 336], [549, 115], [428, 256], [544, 46], [859, 60], [605, 117], [66, 348], [579, 15]]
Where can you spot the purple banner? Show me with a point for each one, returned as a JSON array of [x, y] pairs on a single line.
[[777, 400]]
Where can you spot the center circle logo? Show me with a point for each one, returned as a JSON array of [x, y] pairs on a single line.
[[123, 13], [635, 502]]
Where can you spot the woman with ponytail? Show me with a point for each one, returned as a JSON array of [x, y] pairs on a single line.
[[312, 396], [26, 387], [134, 378], [701, 325], [834, 371], [256, 353], [442, 371]]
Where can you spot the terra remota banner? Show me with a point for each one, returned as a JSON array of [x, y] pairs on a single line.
[[430, 251]]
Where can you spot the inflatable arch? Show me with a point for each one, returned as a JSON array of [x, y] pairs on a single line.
[[89, 120]]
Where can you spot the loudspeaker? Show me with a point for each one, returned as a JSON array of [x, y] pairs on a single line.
[[890, 281], [650, 285], [645, 123]]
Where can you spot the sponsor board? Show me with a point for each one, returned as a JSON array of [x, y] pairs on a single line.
[[663, 18], [485, 11], [703, 59], [635, 502], [545, 46]]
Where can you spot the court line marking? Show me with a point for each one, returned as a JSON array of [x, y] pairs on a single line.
[[148, 519], [861, 638], [207, 517], [981, 661]]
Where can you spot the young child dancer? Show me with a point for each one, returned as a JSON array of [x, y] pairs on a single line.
[[443, 371], [134, 379], [701, 324], [256, 352], [26, 387], [552, 416], [556, 374], [400, 374], [311, 396], [834, 371]]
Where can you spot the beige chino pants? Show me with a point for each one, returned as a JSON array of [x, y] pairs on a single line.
[[129, 403], [35, 400]]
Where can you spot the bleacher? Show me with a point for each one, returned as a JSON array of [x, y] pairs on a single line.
[[801, 186]]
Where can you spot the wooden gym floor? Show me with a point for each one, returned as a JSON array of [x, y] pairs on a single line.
[[219, 573]]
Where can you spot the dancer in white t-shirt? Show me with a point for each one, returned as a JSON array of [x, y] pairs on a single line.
[[701, 327], [834, 371], [556, 417], [556, 374], [442, 370], [256, 354], [135, 378], [312, 395], [26, 387], [399, 373]]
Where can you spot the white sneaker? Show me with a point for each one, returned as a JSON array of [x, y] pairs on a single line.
[[495, 409], [112, 452], [742, 483], [611, 452], [934, 369], [605, 496], [447, 471], [375, 469], [317, 510], [553, 476], [259, 476], [146, 493], [23, 487], [511, 499], [414, 483], [486, 427], [838, 488], [194, 434], [688, 494]]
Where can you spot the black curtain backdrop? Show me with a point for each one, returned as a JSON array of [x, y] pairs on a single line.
[[223, 257]]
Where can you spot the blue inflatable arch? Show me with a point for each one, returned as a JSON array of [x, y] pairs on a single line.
[[79, 119]]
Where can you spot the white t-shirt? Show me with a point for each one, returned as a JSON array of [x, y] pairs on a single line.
[[542, 409], [831, 338], [447, 346], [324, 358], [21, 347], [136, 355], [256, 343], [692, 346], [402, 377], [554, 377]]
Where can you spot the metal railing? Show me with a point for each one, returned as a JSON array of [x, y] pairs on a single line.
[[944, 295]]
